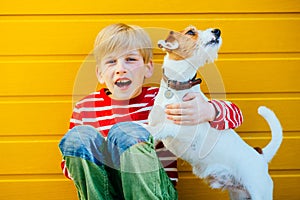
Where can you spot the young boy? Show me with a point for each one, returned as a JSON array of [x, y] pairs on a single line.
[[105, 153]]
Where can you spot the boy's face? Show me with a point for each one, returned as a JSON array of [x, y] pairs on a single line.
[[124, 75]]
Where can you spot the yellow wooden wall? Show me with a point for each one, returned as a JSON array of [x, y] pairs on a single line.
[[43, 45]]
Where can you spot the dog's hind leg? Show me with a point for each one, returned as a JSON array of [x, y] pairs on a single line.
[[262, 189], [239, 195]]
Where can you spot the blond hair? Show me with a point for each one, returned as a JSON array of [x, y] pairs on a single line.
[[116, 39]]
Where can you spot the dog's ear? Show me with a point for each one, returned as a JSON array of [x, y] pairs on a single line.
[[259, 150]]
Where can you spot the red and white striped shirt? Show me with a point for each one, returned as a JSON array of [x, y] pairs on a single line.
[[102, 112]]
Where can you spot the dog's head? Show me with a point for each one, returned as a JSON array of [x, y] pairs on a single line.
[[192, 42]]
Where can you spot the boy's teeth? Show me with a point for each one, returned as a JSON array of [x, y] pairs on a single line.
[[121, 83]]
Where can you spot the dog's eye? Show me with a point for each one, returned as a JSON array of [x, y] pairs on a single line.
[[191, 32]]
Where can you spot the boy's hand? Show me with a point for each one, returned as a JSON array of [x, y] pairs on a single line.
[[193, 110]]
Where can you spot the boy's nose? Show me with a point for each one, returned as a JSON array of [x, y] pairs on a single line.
[[121, 69]]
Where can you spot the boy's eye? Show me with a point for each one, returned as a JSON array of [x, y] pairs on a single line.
[[110, 62], [131, 59]]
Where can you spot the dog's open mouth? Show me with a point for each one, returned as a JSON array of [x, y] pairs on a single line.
[[215, 38], [212, 42]]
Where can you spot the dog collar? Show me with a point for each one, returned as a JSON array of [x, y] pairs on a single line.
[[177, 85]]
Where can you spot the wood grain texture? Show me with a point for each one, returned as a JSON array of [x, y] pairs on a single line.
[[46, 65], [156, 6], [61, 35]]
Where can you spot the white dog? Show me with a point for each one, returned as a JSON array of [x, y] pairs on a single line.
[[222, 158]]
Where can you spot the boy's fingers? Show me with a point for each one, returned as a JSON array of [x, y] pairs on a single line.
[[180, 119], [174, 111], [173, 106], [182, 105], [189, 96]]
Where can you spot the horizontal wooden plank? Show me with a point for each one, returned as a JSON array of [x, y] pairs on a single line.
[[56, 35], [247, 75], [284, 108], [282, 160], [39, 78], [47, 77], [156, 6], [69, 77], [51, 117], [254, 75], [31, 156], [58, 189], [190, 187], [35, 117]]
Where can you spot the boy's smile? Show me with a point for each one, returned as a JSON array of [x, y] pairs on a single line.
[[123, 83], [124, 75]]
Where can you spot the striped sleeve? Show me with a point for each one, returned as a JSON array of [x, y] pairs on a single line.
[[228, 116], [169, 162], [76, 118], [65, 170]]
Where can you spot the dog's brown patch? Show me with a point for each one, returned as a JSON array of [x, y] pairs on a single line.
[[224, 182], [259, 150], [187, 40]]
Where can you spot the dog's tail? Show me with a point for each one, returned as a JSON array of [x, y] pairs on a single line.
[[270, 150]]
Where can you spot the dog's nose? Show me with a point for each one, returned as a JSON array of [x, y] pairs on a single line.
[[171, 32], [216, 32]]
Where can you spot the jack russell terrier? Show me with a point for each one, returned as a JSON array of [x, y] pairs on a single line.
[[220, 157]]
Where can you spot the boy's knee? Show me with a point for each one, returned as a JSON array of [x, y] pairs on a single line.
[[82, 141], [126, 134], [122, 136]]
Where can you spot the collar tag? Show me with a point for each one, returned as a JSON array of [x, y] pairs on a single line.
[[168, 94]]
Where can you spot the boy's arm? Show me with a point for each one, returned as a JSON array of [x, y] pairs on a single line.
[[76, 118], [195, 109], [228, 115]]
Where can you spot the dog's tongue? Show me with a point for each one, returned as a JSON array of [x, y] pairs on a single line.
[[168, 45]]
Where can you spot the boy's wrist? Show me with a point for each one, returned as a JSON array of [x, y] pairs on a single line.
[[214, 111]]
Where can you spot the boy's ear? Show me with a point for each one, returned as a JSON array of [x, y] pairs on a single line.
[[149, 68], [99, 75]]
